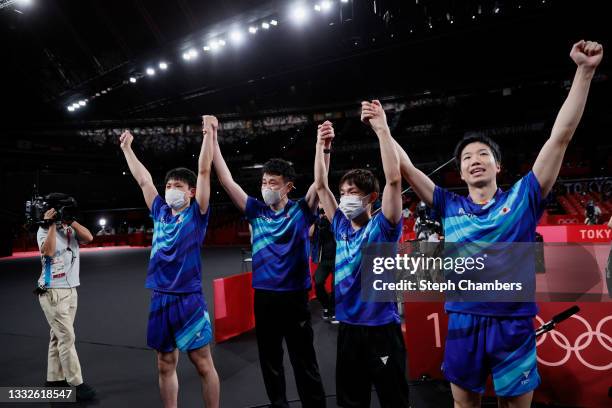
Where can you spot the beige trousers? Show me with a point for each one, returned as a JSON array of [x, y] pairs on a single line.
[[59, 306]]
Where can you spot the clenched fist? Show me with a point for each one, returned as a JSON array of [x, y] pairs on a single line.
[[125, 140], [587, 54], [372, 114]]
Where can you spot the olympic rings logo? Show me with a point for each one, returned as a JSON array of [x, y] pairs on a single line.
[[582, 342]]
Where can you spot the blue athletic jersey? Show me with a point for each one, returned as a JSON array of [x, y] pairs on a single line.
[[175, 265], [510, 216], [280, 245], [350, 308]]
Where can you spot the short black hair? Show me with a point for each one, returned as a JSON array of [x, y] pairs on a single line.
[[182, 174], [279, 167], [473, 138], [363, 179]]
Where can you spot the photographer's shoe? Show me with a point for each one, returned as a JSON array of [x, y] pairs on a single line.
[[84, 392]]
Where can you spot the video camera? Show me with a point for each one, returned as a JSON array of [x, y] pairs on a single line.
[[35, 209]]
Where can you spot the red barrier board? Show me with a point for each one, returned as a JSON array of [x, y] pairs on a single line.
[[233, 301]]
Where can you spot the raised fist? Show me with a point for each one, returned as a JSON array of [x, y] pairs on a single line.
[[587, 54]]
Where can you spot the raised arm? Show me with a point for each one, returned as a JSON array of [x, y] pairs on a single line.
[[422, 185], [140, 173], [202, 194], [235, 192], [587, 56], [373, 115], [326, 197], [312, 198], [83, 234]]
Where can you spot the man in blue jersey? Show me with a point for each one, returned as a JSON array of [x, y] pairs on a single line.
[[498, 338], [178, 318], [370, 346], [281, 276]]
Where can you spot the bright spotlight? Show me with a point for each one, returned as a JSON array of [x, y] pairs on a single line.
[[163, 65], [193, 53], [326, 5], [344, 1], [252, 30], [70, 108], [206, 48], [317, 7], [186, 56], [299, 13], [213, 45], [102, 222], [265, 25], [133, 80], [274, 22], [104, 91], [82, 103], [221, 43], [237, 37], [150, 71]]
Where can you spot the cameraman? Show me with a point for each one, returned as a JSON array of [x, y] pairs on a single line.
[[58, 241], [592, 213], [425, 227]]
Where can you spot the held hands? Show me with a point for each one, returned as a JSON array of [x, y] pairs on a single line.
[[325, 134], [372, 114], [125, 140], [209, 122], [587, 54]]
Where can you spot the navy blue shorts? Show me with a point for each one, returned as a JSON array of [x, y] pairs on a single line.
[[479, 345], [178, 321]]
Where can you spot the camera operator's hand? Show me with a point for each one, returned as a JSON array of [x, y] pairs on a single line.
[[126, 139], [50, 214]]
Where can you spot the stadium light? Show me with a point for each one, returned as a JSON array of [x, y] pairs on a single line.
[[70, 108], [213, 45], [274, 22], [299, 13], [237, 37], [150, 71], [102, 222], [265, 25], [252, 29], [82, 103], [326, 5], [133, 80], [163, 66]]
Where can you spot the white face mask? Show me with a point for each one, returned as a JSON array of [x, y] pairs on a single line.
[[271, 197], [352, 206], [175, 198]]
